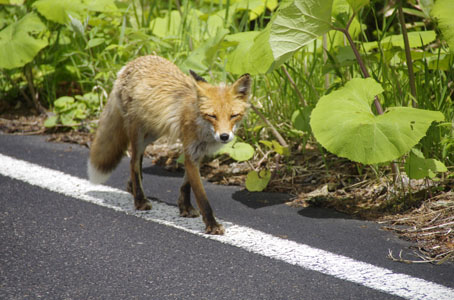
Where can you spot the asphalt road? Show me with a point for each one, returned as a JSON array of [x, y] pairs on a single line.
[[54, 246]]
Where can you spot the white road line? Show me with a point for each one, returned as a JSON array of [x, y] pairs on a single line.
[[239, 236]]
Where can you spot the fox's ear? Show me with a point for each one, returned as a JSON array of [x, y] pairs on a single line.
[[242, 87], [196, 76]]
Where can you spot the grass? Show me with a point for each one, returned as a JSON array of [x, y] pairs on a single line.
[[75, 63], [85, 55]]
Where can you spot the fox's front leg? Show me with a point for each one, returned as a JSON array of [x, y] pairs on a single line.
[[193, 177], [184, 201]]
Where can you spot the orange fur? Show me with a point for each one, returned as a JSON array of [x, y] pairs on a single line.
[[152, 98]]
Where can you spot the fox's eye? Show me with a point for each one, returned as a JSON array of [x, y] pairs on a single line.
[[234, 116], [212, 116]]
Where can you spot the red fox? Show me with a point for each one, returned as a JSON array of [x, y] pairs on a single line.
[[151, 98]]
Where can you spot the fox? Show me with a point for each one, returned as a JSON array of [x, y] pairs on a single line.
[[151, 97]]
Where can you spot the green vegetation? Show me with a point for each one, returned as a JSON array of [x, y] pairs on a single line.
[[308, 59]]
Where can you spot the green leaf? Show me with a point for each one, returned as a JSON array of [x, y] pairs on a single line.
[[63, 103], [239, 151], [203, 57], [67, 119], [237, 60], [343, 122], [269, 144], [180, 159], [301, 119], [443, 11], [240, 37], [257, 182], [274, 145], [257, 8], [416, 39], [418, 167], [100, 5], [253, 54], [285, 151], [95, 42], [58, 11], [298, 24], [81, 111], [77, 26], [12, 2], [357, 4], [51, 121], [91, 100], [426, 6], [21, 41], [341, 13], [166, 26]]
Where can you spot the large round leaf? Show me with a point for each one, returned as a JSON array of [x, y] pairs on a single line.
[[21, 41], [343, 122]]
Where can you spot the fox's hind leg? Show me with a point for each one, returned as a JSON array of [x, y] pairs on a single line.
[[129, 185], [138, 145], [184, 201]]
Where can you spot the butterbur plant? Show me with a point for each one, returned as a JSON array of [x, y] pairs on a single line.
[[344, 123], [20, 42], [350, 121]]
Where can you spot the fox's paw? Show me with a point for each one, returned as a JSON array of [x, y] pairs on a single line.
[[189, 212], [143, 205], [215, 229]]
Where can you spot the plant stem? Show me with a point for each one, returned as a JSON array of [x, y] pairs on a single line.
[[325, 58], [292, 82], [378, 107], [411, 75], [29, 76], [273, 129], [362, 66]]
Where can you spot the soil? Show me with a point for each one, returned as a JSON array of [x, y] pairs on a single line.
[[418, 210]]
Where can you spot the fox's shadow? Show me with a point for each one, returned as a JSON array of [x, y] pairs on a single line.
[[160, 171], [258, 200]]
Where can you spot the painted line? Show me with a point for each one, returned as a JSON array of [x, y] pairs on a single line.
[[249, 239]]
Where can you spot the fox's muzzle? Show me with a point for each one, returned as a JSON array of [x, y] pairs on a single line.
[[224, 137]]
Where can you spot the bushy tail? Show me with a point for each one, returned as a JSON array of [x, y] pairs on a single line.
[[110, 143]]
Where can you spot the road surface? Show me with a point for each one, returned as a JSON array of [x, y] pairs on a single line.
[[63, 238]]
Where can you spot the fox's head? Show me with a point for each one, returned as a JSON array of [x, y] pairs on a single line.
[[222, 107]]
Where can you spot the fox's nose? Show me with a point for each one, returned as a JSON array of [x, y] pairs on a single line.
[[224, 137]]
